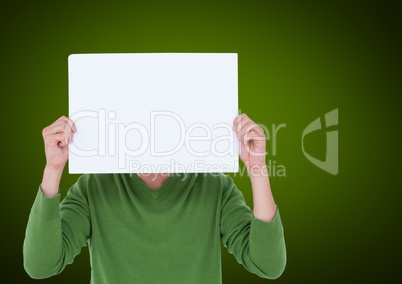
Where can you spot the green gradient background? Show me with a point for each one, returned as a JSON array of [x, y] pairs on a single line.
[[297, 61]]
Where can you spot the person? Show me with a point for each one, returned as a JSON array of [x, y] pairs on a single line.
[[154, 228]]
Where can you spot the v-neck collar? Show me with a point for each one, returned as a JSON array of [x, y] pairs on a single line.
[[155, 193]]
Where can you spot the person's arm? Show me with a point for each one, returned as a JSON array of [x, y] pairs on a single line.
[[256, 244], [255, 238], [252, 148], [56, 232]]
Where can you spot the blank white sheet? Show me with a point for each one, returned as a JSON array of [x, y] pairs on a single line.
[[153, 112]]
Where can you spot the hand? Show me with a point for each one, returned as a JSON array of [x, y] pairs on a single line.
[[252, 141], [56, 137]]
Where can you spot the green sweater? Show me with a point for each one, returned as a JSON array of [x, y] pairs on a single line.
[[139, 235]]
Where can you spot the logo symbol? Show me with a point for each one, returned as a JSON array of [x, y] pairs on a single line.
[[330, 164]]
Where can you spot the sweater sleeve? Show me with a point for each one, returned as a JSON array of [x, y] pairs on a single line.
[[56, 231], [258, 245]]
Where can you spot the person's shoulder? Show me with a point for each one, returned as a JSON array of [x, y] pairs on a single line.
[[90, 178], [220, 180], [90, 182]]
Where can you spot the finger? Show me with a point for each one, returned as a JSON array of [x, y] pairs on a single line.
[[241, 122], [258, 130], [63, 128], [248, 145], [69, 122], [55, 127], [246, 127], [236, 120], [253, 136], [239, 118], [59, 139], [68, 132], [52, 128], [58, 127]]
